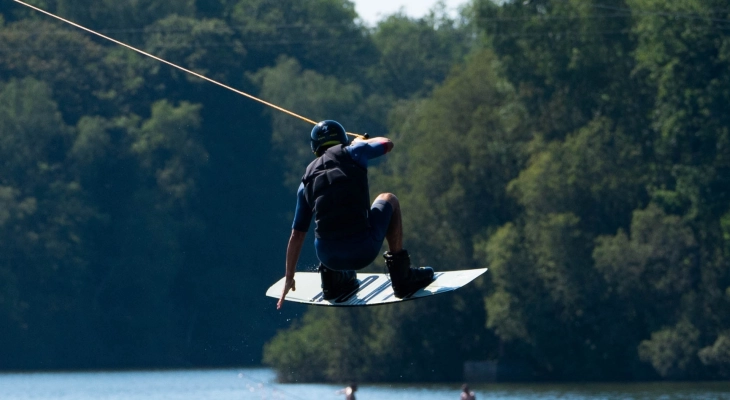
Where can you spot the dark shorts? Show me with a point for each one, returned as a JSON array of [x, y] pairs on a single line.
[[359, 250]]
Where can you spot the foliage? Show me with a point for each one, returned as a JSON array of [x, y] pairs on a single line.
[[672, 351], [615, 247], [206, 46], [45, 213], [415, 55], [579, 149], [322, 34]]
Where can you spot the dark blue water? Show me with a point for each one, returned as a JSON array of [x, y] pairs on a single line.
[[259, 384]]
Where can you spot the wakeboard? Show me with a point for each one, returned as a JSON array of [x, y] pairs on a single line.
[[375, 289]]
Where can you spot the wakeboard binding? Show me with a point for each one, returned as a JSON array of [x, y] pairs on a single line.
[[337, 283], [406, 280]]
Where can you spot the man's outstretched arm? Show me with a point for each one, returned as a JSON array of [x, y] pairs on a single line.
[[293, 250], [385, 142]]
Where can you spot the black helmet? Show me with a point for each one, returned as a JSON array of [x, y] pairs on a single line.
[[325, 134]]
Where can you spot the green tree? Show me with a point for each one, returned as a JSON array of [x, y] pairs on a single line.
[[321, 34], [652, 278], [45, 253], [718, 354], [148, 219], [571, 66], [682, 49], [673, 351], [206, 46], [166, 145], [416, 54], [67, 61], [570, 61], [125, 19]]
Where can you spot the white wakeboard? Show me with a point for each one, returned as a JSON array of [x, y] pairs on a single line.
[[374, 289]]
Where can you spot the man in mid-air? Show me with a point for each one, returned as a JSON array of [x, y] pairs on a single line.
[[349, 231]]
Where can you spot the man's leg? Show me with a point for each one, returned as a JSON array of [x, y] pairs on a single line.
[[406, 280], [394, 234]]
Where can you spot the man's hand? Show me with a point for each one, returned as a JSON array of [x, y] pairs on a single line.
[[292, 255], [289, 284]]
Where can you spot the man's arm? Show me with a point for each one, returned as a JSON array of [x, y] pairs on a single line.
[[364, 150], [385, 142], [293, 250]]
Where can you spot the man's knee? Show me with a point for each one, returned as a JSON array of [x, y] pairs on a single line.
[[390, 198]]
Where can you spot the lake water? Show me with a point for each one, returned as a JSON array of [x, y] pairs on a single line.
[[260, 384]]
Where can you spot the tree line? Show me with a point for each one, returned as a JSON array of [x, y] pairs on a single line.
[[580, 151], [145, 211], [577, 149]]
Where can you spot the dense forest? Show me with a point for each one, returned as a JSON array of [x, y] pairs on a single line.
[[580, 149]]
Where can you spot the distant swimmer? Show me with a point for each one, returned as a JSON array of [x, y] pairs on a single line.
[[349, 392], [467, 394], [349, 231]]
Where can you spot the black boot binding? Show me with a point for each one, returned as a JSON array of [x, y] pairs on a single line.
[[406, 280], [337, 283]]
